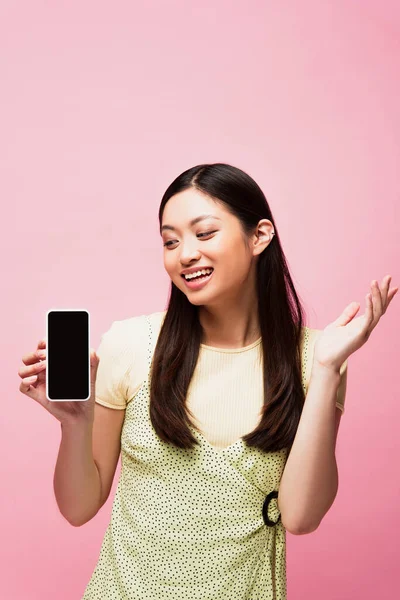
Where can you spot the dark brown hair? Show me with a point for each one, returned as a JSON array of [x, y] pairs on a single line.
[[281, 318]]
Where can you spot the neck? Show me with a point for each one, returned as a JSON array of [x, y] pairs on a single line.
[[230, 326]]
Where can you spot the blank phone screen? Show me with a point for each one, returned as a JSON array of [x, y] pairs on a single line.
[[68, 355]]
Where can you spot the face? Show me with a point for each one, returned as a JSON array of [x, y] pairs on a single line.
[[216, 241]]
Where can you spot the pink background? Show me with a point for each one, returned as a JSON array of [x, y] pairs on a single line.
[[102, 106]]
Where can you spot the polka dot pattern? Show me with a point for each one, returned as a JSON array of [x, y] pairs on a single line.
[[191, 524]]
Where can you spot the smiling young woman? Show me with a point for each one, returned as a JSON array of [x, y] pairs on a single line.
[[213, 389]]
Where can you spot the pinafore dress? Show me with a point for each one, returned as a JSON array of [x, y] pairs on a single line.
[[200, 524]]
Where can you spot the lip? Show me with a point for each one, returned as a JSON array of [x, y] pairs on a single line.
[[198, 284]]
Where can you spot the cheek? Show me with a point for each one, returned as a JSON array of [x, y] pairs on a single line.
[[235, 261], [168, 263], [171, 266]]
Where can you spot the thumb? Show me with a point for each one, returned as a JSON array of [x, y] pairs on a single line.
[[348, 314]]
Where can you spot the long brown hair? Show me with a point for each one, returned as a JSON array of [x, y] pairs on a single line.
[[281, 318]]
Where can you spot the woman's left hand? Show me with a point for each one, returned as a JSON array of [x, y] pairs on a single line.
[[346, 334]]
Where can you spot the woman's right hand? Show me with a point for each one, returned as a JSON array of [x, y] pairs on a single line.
[[33, 384]]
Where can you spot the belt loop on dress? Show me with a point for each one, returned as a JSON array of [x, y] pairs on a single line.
[[265, 507]]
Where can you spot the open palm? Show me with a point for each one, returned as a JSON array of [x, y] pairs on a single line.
[[347, 334]]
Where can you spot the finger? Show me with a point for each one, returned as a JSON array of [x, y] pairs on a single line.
[[369, 315], [377, 302], [26, 384], [385, 289], [33, 357], [33, 369], [391, 295]]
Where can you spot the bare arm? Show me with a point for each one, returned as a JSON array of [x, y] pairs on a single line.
[[86, 464], [77, 484], [309, 482]]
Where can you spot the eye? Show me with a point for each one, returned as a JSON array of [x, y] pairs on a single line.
[[205, 233], [167, 244]]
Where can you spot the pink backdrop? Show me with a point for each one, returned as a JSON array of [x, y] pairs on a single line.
[[103, 105]]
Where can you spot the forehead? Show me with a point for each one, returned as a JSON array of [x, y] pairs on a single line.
[[190, 203]]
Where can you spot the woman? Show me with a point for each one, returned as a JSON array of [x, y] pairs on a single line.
[[225, 407]]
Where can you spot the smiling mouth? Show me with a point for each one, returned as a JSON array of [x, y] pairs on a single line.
[[198, 283], [199, 277]]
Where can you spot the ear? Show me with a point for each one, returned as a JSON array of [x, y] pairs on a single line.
[[262, 236]]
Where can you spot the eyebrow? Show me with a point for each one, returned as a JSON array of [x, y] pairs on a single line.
[[192, 222]]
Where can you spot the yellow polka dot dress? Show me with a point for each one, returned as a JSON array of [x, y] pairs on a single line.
[[196, 524]]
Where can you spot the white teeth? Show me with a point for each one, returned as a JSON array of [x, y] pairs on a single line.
[[198, 273]]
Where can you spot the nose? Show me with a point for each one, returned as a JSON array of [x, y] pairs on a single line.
[[189, 251]]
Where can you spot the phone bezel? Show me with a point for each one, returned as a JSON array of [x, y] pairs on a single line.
[[51, 310]]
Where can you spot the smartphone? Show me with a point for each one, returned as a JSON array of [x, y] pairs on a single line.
[[67, 355]]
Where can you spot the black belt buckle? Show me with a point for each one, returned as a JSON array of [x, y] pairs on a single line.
[[267, 500]]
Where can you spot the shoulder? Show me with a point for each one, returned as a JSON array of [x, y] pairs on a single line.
[[157, 318], [135, 328], [123, 359]]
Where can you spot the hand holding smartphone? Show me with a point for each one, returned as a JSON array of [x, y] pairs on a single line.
[[61, 374]]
